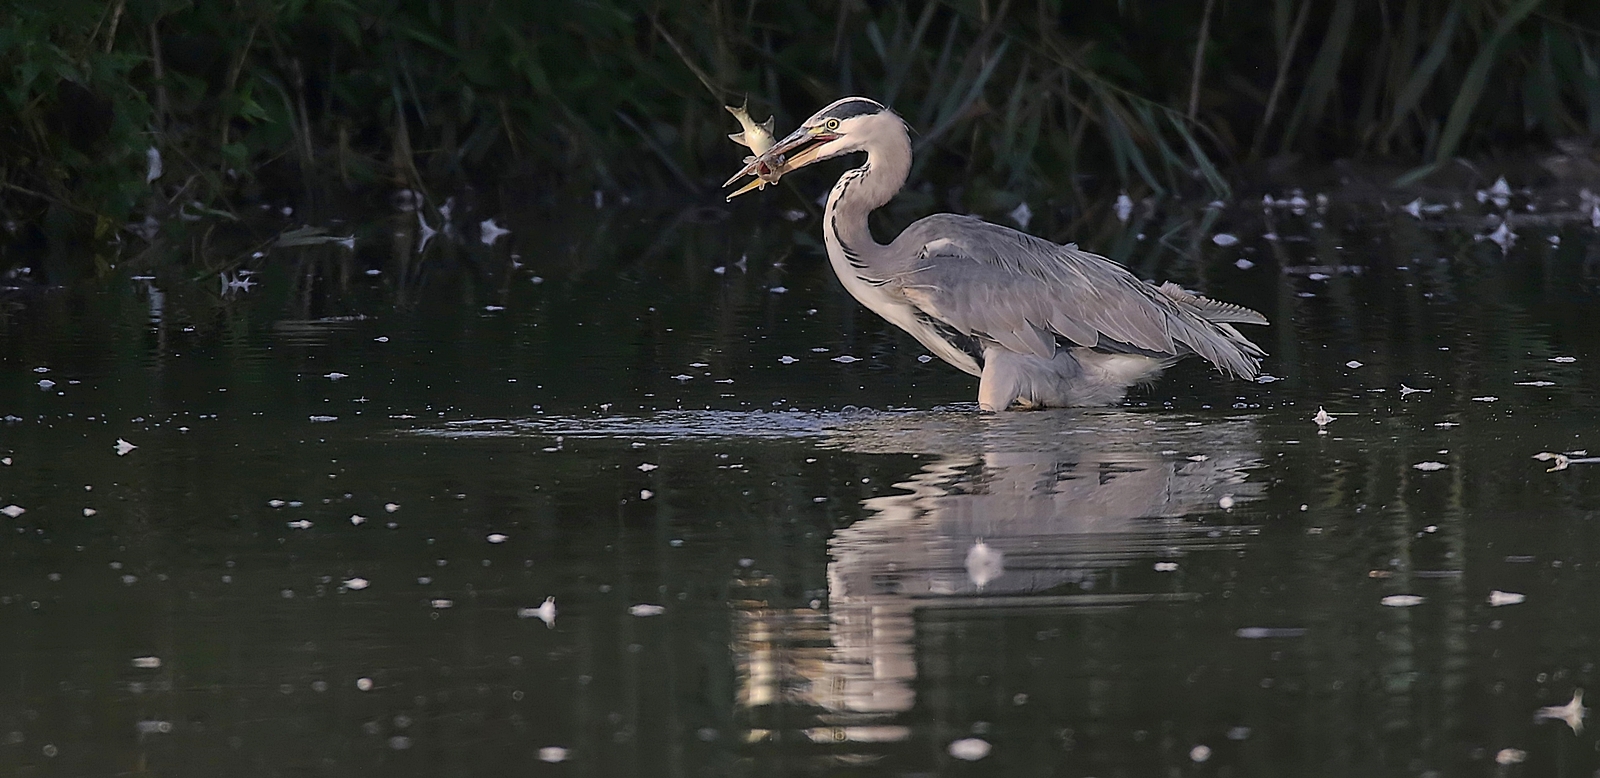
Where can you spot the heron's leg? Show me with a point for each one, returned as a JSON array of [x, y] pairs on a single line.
[[1000, 383]]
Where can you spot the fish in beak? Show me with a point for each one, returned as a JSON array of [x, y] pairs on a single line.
[[801, 148]]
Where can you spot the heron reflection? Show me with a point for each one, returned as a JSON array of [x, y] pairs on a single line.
[[1005, 514]]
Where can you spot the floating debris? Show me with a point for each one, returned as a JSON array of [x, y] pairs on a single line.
[[323, 419], [647, 467], [1429, 467], [311, 236], [1243, 264], [1124, 207], [1323, 418], [985, 563], [1264, 633], [13, 510], [787, 360], [1406, 391], [1401, 600], [1498, 598], [490, 231], [1021, 214], [123, 447], [391, 507], [357, 519], [441, 604], [87, 512], [357, 584], [683, 377], [1502, 237], [1564, 360], [545, 613], [1561, 461], [1488, 398], [1572, 713], [645, 494], [1224, 239], [1499, 194], [645, 609], [152, 161], [970, 749], [301, 524], [336, 376], [497, 538], [846, 359], [1536, 383]]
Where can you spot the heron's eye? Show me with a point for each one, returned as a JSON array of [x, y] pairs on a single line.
[[832, 125]]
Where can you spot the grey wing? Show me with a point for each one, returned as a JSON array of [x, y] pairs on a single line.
[[1024, 293]]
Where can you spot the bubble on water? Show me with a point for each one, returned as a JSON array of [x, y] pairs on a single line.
[[970, 749], [49, 750], [441, 604], [646, 609], [1224, 239], [301, 524], [647, 467], [1509, 756], [1353, 364], [1488, 398], [391, 506], [1429, 467], [1166, 567], [357, 519], [13, 510], [552, 754], [645, 494], [89, 512], [154, 727], [846, 359], [497, 538], [123, 447], [1199, 753], [276, 503], [147, 662], [319, 686], [357, 584], [364, 684], [336, 376], [399, 742], [1226, 502], [324, 419]]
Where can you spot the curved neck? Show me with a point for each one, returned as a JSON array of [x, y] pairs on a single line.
[[864, 189]]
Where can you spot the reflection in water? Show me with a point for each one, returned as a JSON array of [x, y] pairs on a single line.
[[1036, 511]]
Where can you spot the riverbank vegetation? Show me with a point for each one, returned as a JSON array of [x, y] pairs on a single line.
[[123, 110]]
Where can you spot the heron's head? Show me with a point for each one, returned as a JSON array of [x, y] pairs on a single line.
[[848, 125]]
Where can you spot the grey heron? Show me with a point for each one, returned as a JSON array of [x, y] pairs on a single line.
[[1040, 324]]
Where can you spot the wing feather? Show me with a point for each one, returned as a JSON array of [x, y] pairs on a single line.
[[1022, 292]]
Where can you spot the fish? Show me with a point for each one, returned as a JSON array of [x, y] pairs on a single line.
[[759, 138]]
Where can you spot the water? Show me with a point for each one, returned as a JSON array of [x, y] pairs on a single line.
[[350, 494]]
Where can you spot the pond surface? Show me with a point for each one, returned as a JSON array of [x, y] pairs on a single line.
[[310, 525]]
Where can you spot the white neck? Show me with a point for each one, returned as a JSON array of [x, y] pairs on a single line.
[[862, 190]]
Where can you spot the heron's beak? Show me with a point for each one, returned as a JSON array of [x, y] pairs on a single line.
[[792, 153]]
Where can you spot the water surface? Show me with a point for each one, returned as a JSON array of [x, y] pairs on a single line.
[[778, 542]]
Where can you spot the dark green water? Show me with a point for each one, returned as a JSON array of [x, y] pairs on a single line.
[[346, 493]]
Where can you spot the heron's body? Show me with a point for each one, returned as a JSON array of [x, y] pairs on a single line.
[[1040, 324]]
